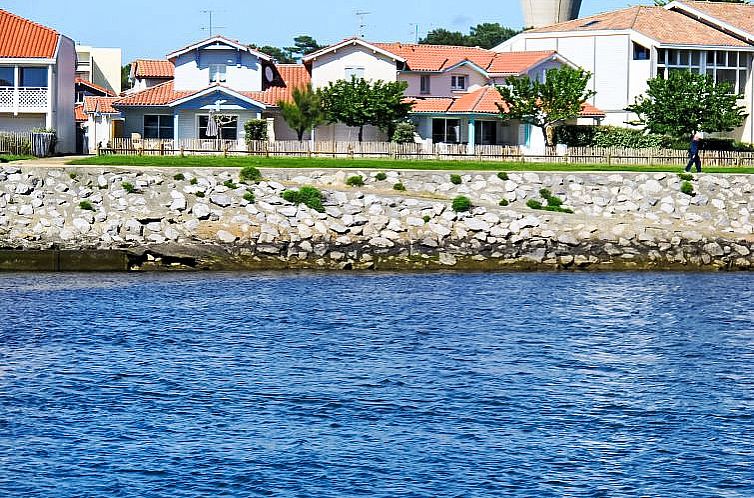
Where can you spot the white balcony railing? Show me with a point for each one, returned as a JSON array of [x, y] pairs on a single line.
[[24, 99]]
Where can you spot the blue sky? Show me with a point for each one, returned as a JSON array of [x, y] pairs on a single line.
[[153, 28]]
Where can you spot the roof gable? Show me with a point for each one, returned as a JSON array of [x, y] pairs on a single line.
[[21, 38], [219, 41], [150, 68], [374, 47]]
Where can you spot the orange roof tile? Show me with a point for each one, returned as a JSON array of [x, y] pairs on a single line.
[[162, 94], [150, 68], [78, 112], [482, 101], [658, 23], [82, 81], [737, 15], [22, 38], [103, 105], [290, 76]]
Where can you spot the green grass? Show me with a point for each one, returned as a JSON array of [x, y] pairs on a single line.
[[4, 158], [318, 163]]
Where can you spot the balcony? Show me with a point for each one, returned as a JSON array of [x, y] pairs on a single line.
[[24, 99]]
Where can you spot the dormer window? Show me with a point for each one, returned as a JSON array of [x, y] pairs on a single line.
[[425, 85], [217, 73], [458, 82], [354, 72]]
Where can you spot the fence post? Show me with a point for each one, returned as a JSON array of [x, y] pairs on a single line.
[[183, 150], [98, 151], [225, 149]]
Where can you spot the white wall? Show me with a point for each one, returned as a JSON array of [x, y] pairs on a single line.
[[21, 123], [97, 132], [105, 68], [440, 83], [192, 76], [64, 96], [332, 66]]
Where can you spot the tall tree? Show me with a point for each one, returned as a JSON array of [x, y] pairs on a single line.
[[304, 113], [686, 102], [359, 103], [546, 104], [485, 35], [442, 36], [125, 74], [303, 45], [281, 56]]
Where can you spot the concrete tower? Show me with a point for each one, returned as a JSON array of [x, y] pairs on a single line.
[[538, 13]]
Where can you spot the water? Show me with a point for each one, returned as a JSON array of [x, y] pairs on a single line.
[[308, 385]]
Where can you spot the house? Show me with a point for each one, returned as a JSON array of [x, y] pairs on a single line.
[[37, 72], [100, 66], [146, 73], [453, 88], [625, 48], [101, 121]]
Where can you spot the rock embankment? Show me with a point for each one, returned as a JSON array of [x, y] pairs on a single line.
[[202, 218]]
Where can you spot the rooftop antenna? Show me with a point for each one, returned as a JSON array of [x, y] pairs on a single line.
[[211, 28], [362, 22], [415, 25]]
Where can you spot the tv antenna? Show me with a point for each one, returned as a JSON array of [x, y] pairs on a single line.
[[211, 28], [362, 15], [415, 25]]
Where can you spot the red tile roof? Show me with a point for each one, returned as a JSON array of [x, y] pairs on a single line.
[[162, 94], [103, 105], [150, 68], [737, 15], [22, 38], [290, 76], [658, 23], [441, 57], [82, 81], [78, 112], [482, 101]]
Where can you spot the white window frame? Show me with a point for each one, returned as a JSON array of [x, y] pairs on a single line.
[[218, 73], [706, 64], [198, 129], [354, 71], [455, 82], [425, 84]]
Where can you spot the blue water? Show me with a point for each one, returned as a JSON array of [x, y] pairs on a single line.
[[309, 385]]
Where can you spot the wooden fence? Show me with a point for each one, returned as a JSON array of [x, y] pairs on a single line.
[[27, 144], [570, 155]]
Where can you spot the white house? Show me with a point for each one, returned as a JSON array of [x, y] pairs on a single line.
[[100, 66], [625, 48], [37, 72]]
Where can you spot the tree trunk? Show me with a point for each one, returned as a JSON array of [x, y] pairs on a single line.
[[300, 133], [361, 133], [549, 133]]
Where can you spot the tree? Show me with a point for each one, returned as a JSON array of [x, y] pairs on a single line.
[[303, 45], [280, 55], [359, 103], [485, 35], [686, 102], [125, 75], [442, 36], [546, 104], [304, 113]]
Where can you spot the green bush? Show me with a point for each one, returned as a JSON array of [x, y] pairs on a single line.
[[504, 202], [72, 175], [249, 174], [199, 194], [380, 176], [687, 188], [230, 184], [355, 181], [179, 177], [503, 175], [248, 196], [307, 195], [534, 204], [256, 130], [400, 187], [554, 203], [404, 133], [86, 205], [194, 181], [461, 204], [686, 176], [128, 187], [456, 179], [609, 136], [426, 218]]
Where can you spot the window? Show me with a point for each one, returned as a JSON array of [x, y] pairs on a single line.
[[354, 72], [446, 131], [486, 133], [7, 77], [228, 126], [458, 82], [722, 66], [217, 73], [34, 77], [158, 126], [640, 53], [425, 85]]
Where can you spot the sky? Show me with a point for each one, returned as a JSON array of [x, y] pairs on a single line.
[[154, 28]]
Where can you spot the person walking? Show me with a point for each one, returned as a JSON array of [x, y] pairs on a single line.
[[694, 158]]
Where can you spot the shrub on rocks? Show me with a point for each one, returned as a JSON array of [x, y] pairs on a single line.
[[399, 187], [456, 179], [307, 195], [72, 175], [687, 177], [230, 184], [128, 187], [504, 202], [249, 196], [179, 177], [355, 181], [86, 206], [687, 188], [426, 218], [461, 204], [503, 176], [200, 194], [554, 203], [194, 181], [381, 176], [249, 174]]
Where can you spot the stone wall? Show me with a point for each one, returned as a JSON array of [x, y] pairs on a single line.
[[620, 221]]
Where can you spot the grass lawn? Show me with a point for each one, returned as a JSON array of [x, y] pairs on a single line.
[[305, 162], [4, 158]]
